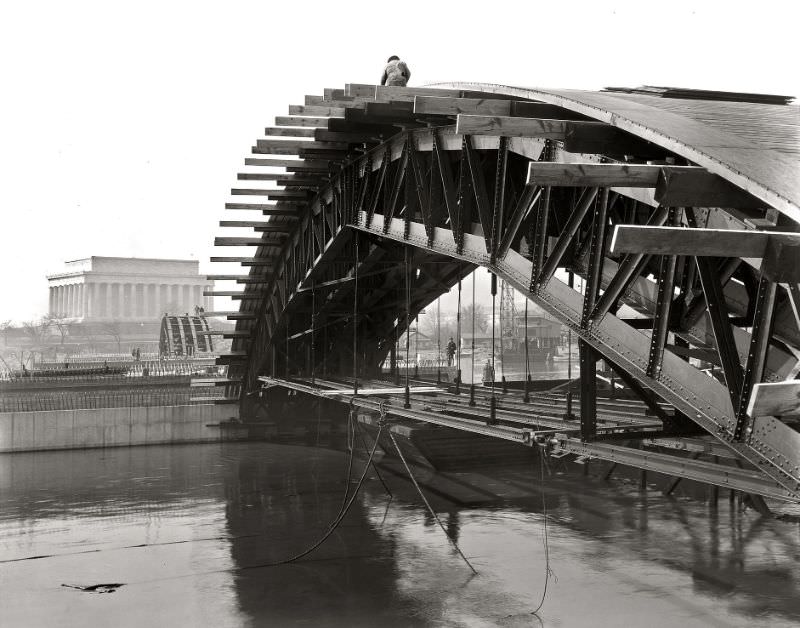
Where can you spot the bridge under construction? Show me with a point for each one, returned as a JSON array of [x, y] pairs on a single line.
[[679, 210]]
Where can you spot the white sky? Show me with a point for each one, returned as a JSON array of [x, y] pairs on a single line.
[[122, 128]]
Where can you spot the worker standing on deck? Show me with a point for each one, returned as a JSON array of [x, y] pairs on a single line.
[[451, 351], [396, 72]]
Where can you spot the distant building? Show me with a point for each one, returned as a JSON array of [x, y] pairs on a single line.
[[127, 289]]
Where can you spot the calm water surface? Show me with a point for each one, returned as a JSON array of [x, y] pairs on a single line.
[[189, 531]]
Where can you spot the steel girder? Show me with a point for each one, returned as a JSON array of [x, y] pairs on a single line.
[[398, 172]]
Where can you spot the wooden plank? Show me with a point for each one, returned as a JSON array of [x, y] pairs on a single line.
[[298, 144], [321, 154], [393, 92], [775, 399], [250, 192], [269, 209], [267, 227], [243, 241], [340, 125], [302, 121], [509, 126], [696, 242], [302, 183], [359, 89], [231, 314], [523, 109], [297, 164], [289, 132], [364, 392], [323, 135], [260, 176], [227, 293], [454, 106], [596, 175], [314, 110], [245, 261], [343, 101], [608, 140], [282, 194], [700, 188]]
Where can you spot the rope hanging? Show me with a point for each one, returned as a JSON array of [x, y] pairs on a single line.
[[438, 339], [407, 402], [526, 398], [313, 334], [472, 378], [492, 400], [428, 506], [355, 313], [458, 340]]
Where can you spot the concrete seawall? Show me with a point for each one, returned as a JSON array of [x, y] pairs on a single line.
[[114, 427]]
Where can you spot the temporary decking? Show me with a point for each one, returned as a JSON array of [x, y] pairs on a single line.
[[686, 210]]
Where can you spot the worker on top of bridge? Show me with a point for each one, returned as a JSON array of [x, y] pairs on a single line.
[[396, 72]]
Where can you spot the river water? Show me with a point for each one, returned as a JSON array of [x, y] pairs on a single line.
[[189, 531]]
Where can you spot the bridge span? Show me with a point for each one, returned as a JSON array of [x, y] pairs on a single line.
[[679, 211]]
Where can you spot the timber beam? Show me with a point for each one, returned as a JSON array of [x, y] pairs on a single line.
[[231, 315], [235, 278], [269, 209], [297, 164], [448, 106], [675, 186], [236, 241], [303, 121], [701, 242], [508, 126], [598, 175], [282, 131], [775, 399], [245, 261], [267, 227]]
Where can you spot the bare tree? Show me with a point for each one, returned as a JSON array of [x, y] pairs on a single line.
[[37, 335], [4, 327], [481, 317], [112, 328], [59, 323]]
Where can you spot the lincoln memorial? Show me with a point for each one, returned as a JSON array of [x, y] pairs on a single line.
[[127, 288]]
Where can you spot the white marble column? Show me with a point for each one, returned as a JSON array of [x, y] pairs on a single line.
[[68, 300], [91, 300], [124, 300], [59, 300], [106, 290]]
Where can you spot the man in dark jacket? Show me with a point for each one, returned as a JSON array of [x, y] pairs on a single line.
[[396, 72]]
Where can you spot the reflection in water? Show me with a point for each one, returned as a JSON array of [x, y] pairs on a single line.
[[190, 530]]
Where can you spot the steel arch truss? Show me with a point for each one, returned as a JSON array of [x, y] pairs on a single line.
[[676, 269]]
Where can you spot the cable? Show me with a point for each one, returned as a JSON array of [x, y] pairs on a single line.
[[527, 396], [493, 400], [355, 313], [548, 572], [424, 499], [342, 513], [407, 402], [472, 362], [458, 339]]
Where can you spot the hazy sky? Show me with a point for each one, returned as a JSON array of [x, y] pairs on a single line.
[[123, 126]]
